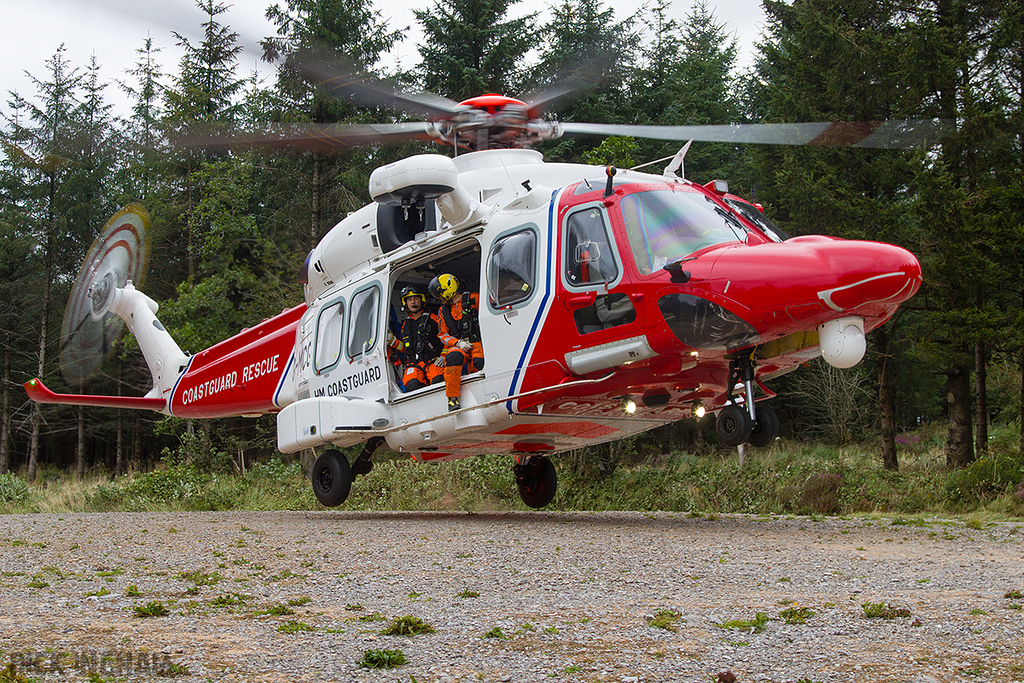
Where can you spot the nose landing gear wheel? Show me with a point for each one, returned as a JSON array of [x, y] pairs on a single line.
[[734, 425], [537, 481], [332, 478]]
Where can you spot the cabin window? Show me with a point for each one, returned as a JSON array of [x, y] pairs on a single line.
[[363, 322], [664, 226], [589, 258], [329, 328], [512, 269]]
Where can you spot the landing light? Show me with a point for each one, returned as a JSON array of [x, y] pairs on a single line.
[[698, 409], [628, 405]]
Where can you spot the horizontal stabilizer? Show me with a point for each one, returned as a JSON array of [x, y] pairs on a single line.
[[40, 394]]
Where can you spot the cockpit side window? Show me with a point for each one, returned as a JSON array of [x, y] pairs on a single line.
[[589, 258], [665, 225]]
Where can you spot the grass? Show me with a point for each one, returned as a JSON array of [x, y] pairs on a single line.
[[382, 659], [755, 625], [200, 577], [407, 626], [9, 674], [881, 610], [788, 478], [796, 615], [294, 627], [151, 609], [665, 619], [278, 610]]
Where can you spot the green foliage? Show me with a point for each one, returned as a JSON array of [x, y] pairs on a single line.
[[13, 489], [292, 627], [796, 615], [472, 47], [665, 619], [382, 659], [154, 608], [613, 151], [407, 626], [990, 476], [755, 625], [273, 485], [495, 633], [201, 577], [881, 610], [278, 610], [10, 674]]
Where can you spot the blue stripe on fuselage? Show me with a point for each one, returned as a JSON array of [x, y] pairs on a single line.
[[521, 365]]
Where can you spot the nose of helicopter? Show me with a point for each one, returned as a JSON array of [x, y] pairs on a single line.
[[867, 273], [806, 273]]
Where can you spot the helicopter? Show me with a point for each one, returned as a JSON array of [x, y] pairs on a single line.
[[610, 301]]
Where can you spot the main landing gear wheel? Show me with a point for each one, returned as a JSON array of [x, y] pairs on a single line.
[[766, 427], [734, 425], [332, 478], [537, 481]]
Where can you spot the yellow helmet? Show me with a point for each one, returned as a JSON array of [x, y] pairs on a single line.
[[412, 291], [444, 287]]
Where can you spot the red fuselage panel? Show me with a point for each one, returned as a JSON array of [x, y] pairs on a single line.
[[242, 375]]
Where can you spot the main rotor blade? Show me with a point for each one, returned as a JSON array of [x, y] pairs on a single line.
[[332, 137], [537, 103], [361, 86], [873, 134]]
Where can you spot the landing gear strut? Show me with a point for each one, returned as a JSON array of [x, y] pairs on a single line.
[[738, 425], [536, 479], [363, 462]]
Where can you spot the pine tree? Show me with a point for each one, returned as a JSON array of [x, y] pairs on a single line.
[[142, 129], [60, 155], [691, 83], [963, 273], [342, 35], [585, 47], [826, 60], [470, 48]]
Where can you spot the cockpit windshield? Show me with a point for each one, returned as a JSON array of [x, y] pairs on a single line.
[[665, 225]]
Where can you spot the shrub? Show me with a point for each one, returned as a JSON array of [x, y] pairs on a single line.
[[987, 477], [13, 489], [820, 493]]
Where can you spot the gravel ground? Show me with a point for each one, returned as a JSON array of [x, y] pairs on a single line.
[[571, 594]]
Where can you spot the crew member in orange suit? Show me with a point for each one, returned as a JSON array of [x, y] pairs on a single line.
[[459, 324], [418, 342]]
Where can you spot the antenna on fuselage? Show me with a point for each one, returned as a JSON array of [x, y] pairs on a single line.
[[677, 163]]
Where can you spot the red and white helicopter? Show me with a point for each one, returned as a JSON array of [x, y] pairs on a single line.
[[611, 301]]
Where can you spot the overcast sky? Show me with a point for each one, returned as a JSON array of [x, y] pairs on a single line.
[[33, 30]]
